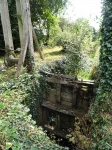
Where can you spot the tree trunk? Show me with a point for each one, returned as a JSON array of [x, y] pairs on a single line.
[[36, 43], [20, 21], [6, 26], [27, 27]]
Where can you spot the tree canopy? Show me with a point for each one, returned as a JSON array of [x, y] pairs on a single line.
[[43, 14]]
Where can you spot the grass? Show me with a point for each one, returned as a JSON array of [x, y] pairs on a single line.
[[84, 75], [50, 55]]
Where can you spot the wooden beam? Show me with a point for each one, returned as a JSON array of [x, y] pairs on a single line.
[[6, 25], [22, 55], [36, 43], [27, 27], [13, 60], [20, 20], [58, 92]]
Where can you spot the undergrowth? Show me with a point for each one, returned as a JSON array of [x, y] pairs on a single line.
[[17, 128]]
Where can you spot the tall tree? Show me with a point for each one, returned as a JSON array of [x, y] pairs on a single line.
[[43, 14], [14, 26]]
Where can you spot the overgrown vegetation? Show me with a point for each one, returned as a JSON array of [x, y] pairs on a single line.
[[101, 111], [43, 14], [78, 58], [79, 41], [17, 129], [98, 135]]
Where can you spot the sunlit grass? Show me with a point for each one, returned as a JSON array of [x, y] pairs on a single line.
[[55, 52], [50, 50], [7, 75], [50, 55], [84, 75]]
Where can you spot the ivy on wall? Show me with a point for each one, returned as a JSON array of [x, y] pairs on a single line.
[[102, 108], [106, 47]]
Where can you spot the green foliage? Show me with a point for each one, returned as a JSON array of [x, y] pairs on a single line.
[[101, 120], [57, 67], [31, 87], [84, 75], [102, 108], [80, 33], [43, 14], [81, 134], [17, 129], [77, 40], [106, 47], [74, 64]]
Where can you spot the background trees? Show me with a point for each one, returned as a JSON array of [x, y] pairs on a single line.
[[43, 14], [79, 41], [76, 38]]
